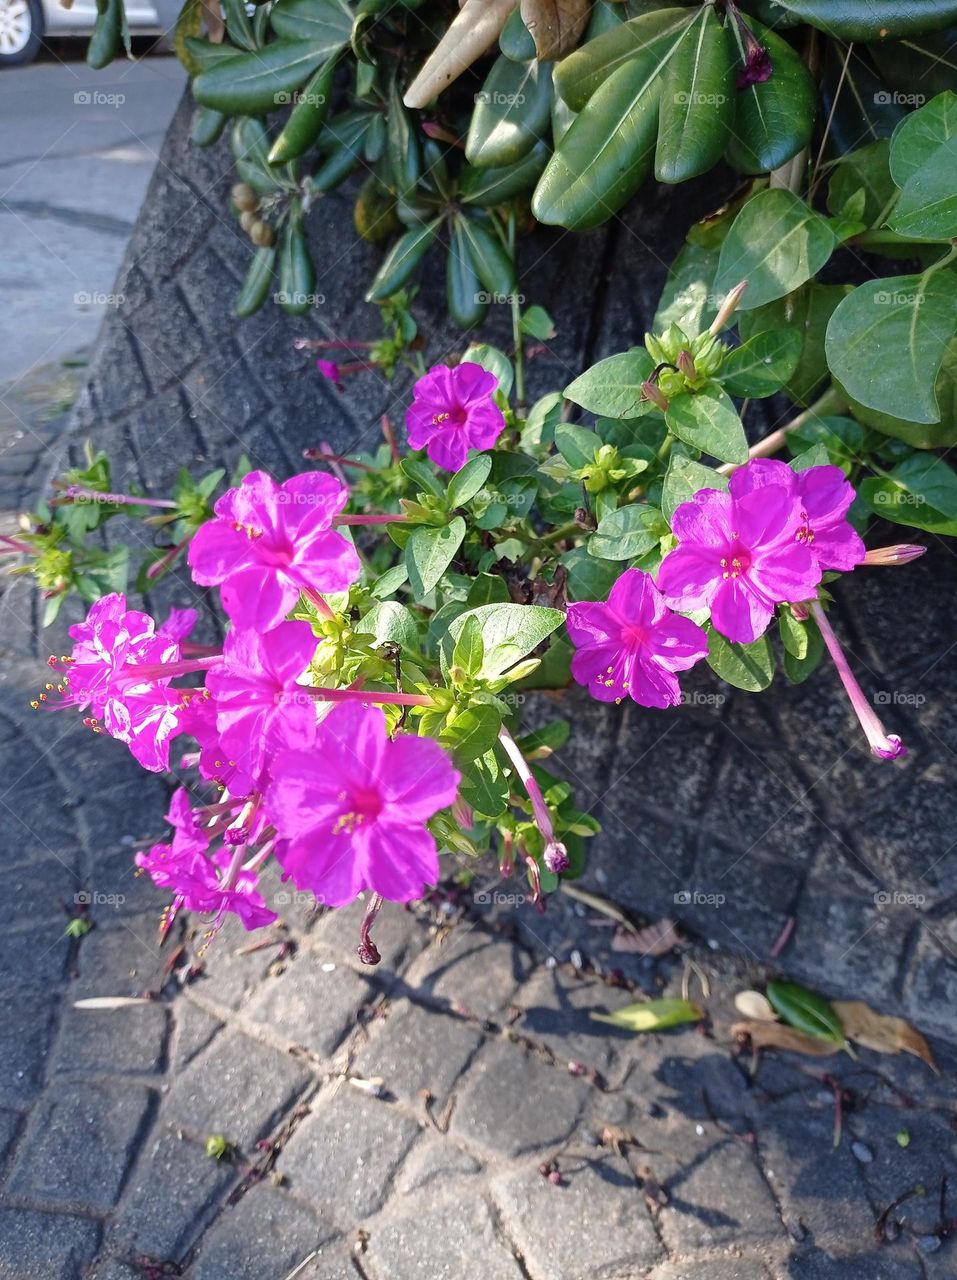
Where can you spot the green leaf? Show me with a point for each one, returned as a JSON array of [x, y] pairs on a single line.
[[577, 445], [607, 153], [775, 119], [873, 19], [422, 474], [588, 577], [484, 786], [488, 187], [471, 731], [843, 439], [255, 288], [794, 634], [326, 23], [466, 482], [797, 669], [776, 243], [697, 101], [429, 552], [652, 1015], [688, 298], [805, 1010], [923, 162], [920, 492], [537, 323], [512, 112], [887, 340], [583, 71], [487, 588], [401, 261], [628, 532], [390, 581], [491, 262], [865, 169], [683, 479], [509, 632], [807, 311], [306, 119], [745, 666], [390, 621], [516, 40], [707, 420], [254, 83], [463, 288], [495, 361], [762, 365], [612, 387]]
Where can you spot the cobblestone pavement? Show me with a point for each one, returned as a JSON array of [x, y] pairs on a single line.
[[457, 1111]]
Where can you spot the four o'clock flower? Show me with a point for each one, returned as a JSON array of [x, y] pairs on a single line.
[[738, 557], [453, 411], [633, 645], [260, 706], [351, 812], [270, 542], [823, 495]]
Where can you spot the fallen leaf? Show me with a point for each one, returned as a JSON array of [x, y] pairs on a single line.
[[652, 1015], [475, 28], [555, 25], [881, 1032], [654, 940], [110, 1002], [806, 1010], [754, 1006], [775, 1035]]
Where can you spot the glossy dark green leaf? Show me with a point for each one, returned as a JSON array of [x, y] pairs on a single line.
[[776, 243], [511, 113], [403, 145], [688, 298], [923, 64], [651, 36], [606, 154], [774, 120], [797, 669], [485, 787], [923, 162], [254, 83], [468, 480], [921, 435], [516, 40], [683, 479], [208, 126], [429, 552], [297, 273], [402, 260], [589, 578], [697, 101], [873, 19], [762, 365], [491, 262], [745, 666], [206, 54], [707, 420], [920, 492], [844, 441], [250, 144], [306, 119], [327, 23], [471, 732], [866, 169], [255, 288], [238, 25], [886, 342], [488, 187], [806, 311], [805, 1010], [467, 300]]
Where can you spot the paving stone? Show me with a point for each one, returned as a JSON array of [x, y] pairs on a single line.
[[511, 1103], [173, 1190], [194, 1028], [473, 973], [930, 996], [596, 1223], [80, 1143], [716, 1196], [266, 1228], [23, 1056], [44, 1246], [437, 1165], [909, 837], [928, 1157], [122, 1041], [121, 958], [315, 1002], [817, 1265], [10, 1123], [556, 1007], [730, 1268], [238, 1088], [38, 957], [442, 1243], [344, 1155], [817, 1186], [413, 1048], [228, 976], [114, 1269], [39, 891]]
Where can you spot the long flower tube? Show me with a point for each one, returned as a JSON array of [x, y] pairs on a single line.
[[556, 855]]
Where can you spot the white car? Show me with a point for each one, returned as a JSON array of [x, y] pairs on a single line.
[[24, 23]]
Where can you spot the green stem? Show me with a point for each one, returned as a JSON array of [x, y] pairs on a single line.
[[517, 338], [563, 531]]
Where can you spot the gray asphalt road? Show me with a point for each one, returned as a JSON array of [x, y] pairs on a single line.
[[77, 149]]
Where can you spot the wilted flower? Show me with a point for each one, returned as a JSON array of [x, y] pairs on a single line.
[[453, 411]]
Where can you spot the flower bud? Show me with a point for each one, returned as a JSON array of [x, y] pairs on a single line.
[[654, 394], [556, 858], [901, 553]]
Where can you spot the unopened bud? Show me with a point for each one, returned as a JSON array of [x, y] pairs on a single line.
[[901, 553], [728, 308], [686, 365], [556, 858], [655, 395]]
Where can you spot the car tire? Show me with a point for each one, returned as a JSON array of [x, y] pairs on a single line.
[[21, 31]]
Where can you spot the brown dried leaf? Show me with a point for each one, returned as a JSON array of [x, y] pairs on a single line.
[[775, 1035], [475, 28], [555, 25], [881, 1032], [755, 1006], [654, 940]]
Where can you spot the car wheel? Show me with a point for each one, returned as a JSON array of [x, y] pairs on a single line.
[[21, 29]]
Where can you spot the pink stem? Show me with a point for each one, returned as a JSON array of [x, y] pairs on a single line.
[[883, 745], [168, 670], [322, 608], [116, 499], [556, 856], [161, 565], [390, 438], [14, 544], [380, 519], [372, 696]]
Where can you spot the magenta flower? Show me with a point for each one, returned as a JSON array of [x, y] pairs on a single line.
[[633, 645], [824, 497], [453, 411], [351, 812], [329, 370], [738, 557], [270, 542], [198, 720]]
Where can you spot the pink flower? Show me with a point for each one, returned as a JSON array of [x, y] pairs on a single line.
[[270, 542], [198, 719], [453, 411], [351, 812], [824, 496], [329, 370], [739, 557], [633, 645], [260, 707]]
